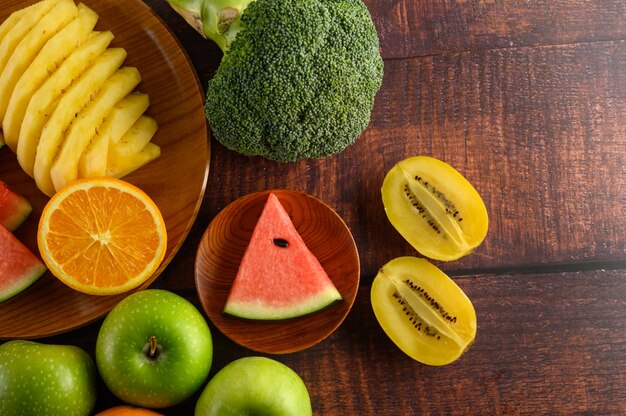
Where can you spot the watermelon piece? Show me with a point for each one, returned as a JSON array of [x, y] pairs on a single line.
[[14, 208], [19, 267], [279, 277]]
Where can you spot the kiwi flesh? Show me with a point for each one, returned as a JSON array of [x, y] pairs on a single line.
[[434, 208], [423, 311]]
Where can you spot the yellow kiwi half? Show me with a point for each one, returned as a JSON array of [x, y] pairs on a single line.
[[423, 311], [434, 208]]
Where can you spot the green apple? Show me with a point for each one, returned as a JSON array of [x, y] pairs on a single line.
[[41, 379], [154, 349], [255, 386]]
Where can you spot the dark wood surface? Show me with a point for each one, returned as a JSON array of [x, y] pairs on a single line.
[[528, 101]]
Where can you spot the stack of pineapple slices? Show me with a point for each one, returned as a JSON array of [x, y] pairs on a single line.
[[68, 108]]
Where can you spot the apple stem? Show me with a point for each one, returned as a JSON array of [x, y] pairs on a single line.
[[153, 345]]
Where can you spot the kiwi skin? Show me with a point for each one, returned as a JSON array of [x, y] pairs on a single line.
[[423, 311], [434, 208]]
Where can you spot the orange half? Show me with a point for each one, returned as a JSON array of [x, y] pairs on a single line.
[[127, 411], [102, 236]]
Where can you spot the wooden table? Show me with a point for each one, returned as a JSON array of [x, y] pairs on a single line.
[[528, 101]]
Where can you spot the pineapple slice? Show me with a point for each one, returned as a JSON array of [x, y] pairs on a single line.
[[27, 50], [17, 27], [43, 102], [66, 107], [65, 168], [11, 21], [125, 164], [93, 161], [54, 52], [136, 138], [134, 149], [69, 106]]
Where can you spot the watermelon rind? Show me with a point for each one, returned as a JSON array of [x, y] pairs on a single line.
[[264, 311], [23, 282], [19, 268]]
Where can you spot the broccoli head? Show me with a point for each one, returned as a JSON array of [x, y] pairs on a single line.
[[298, 77]]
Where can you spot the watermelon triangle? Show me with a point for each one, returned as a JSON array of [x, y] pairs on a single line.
[[279, 277], [19, 267]]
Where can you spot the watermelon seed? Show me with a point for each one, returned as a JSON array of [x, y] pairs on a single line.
[[281, 242]]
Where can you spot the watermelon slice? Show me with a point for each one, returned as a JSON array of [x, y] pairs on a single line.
[[279, 277], [19, 267], [14, 208]]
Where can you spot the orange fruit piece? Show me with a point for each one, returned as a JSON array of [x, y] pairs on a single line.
[[102, 236], [127, 411]]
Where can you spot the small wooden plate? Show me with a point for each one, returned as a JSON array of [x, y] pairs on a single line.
[[221, 250], [175, 181]]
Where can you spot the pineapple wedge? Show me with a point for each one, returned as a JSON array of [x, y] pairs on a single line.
[[93, 161], [122, 165], [134, 149], [11, 21], [65, 168], [28, 49], [54, 52], [20, 26], [69, 106], [136, 138], [43, 102]]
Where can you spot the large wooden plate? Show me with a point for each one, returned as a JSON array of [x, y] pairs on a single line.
[[176, 181], [222, 247]]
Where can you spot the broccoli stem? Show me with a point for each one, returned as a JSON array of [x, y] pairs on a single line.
[[217, 20]]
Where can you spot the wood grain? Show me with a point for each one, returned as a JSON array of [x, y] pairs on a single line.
[[526, 125], [555, 108], [175, 181], [540, 132], [527, 99], [417, 28], [223, 246], [409, 28], [546, 344]]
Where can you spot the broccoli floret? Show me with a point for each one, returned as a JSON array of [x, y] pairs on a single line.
[[298, 77]]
